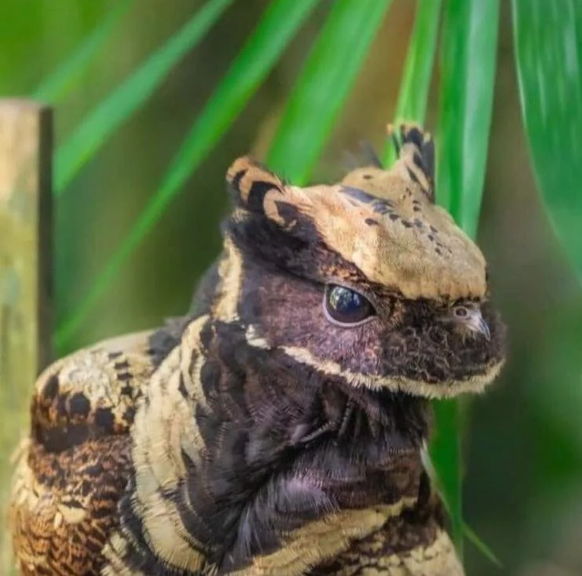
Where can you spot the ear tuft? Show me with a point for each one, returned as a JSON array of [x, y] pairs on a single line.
[[415, 150], [370, 155], [250, 181]]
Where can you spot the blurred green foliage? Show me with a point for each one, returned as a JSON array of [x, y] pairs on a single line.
[[93, 132], [323, 86], [254, 61], [128, 79]]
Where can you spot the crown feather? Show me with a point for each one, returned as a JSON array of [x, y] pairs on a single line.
[[415, 149], [384, 222]]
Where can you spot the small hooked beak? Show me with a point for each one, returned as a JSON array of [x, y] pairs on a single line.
[[474, 322]]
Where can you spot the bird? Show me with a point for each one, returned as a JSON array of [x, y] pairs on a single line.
[[279, 426]]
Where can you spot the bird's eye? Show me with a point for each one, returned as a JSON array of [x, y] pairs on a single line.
[[346, 307], [460, 312]]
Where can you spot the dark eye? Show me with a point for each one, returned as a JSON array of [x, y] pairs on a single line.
[[460, 312], [346, 307]]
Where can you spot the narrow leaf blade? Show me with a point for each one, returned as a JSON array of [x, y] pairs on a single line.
[[467, 83], [415, 84], [481, 546], [118, 107], [324, 85], [548, 45], [276, 28], [64, 78]]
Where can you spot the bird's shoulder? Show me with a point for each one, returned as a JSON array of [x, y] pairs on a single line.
[[72, 469]]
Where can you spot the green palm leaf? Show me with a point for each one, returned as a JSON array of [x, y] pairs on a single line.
[[548, 44]]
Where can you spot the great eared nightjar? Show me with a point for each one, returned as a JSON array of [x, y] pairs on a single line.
[[279, 426]]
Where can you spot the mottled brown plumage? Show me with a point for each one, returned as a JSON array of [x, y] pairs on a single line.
[[73, 470], [278, 428]]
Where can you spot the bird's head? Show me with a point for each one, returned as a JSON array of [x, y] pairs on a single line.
[[367, 280]]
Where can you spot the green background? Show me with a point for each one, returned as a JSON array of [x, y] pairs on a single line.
[[336, 83]]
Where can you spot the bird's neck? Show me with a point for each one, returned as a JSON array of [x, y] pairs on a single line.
[[262, 449]]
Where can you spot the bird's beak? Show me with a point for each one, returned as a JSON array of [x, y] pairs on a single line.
[[475, 323]]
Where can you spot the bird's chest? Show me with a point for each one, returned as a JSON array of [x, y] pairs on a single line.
[[353, 478]]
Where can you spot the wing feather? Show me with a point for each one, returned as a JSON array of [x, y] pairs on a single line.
[[72, 470]]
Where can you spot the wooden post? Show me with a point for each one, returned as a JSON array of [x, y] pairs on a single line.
[[25, 277]]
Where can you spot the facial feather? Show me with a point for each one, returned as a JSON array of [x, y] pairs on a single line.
[[380, 235]]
